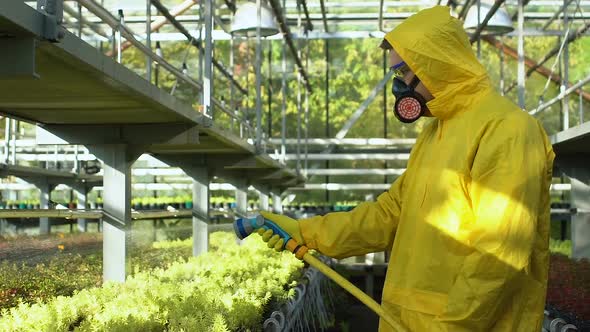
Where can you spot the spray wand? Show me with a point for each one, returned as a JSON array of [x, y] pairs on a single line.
[[246, 226]]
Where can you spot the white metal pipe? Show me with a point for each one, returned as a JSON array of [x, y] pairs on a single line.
[[352, 156], [561, 95], [231, 187], [355, 171], [520, 47], [348, 141]]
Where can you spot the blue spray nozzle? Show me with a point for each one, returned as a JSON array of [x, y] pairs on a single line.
[[246, 226]]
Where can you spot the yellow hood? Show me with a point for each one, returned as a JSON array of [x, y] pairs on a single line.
[[437, 49]]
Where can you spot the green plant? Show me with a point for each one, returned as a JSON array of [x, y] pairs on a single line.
[[224, 289], [561, 247]]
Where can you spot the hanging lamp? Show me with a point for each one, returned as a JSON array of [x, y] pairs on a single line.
[[500, 23], [245, 21]]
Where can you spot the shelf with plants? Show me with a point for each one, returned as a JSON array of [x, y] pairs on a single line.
[[20, 204], [161, 203], [322, 207]]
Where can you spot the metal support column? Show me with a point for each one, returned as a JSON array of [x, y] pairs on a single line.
[[306, 103], [501, 51], [521, 69], [580, 226], [478, 27], [118, 159], [299, 79], [7, 134], [232, 90], [45, 197], [283, 99], [262, 201], [269, 90], [277, 204], [82, 197], [118, 37], [208, 70], [79, 19], [257, 69], [581, 105], [201, 196], [385, 66], [241, 198], [327, 106], [565, 74], [3, 226], [148, 39], [13, 141]]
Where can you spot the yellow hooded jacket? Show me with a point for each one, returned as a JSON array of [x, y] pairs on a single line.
[[468, 221]]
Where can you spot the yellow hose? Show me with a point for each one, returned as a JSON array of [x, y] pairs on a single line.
[[301, 253]]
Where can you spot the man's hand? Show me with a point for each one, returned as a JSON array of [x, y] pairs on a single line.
[[289, 225]]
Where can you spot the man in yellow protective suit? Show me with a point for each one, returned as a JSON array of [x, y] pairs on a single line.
[[468, 222]]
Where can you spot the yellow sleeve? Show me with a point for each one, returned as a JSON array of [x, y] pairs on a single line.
[[370, 227], [510, 173]]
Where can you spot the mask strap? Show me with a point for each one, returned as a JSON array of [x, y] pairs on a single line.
[[415, 81]]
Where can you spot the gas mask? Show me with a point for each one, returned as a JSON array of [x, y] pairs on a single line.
[[409, 105]]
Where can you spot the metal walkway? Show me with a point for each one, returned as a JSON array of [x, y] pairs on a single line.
[[77, 95]]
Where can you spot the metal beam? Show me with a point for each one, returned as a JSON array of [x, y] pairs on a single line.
[[580, 226], [151, 187], [556, 14], [571, 38], [561, 95], [536, 16], [308, 25], [352, 156], [565, 61], [465, 9], [360, 18], [97, 29], [45, 198], [515, 15], [485, 21], [118, 159], [81, 192], [343, 186], [381, 2], [372, 17], [161, 21], [520, 52], [206, 73], [148, 39], [361, 109], [348, 141], [241, 195], [195, 42], [360, 34], [277, 203], [530, 63], [200, 211], [262, 201], [324, 21], [231, 5], [355, 171], [379, 186], [277, 10], [177, 25], [173, 133]]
